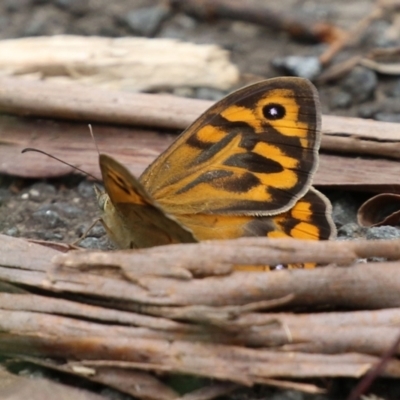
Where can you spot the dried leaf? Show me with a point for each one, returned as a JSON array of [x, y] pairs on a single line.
[[382, 209]]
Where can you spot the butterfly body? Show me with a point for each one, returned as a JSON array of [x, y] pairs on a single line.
[[243, 168]]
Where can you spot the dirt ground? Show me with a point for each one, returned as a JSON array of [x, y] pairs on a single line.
[[62, 209]]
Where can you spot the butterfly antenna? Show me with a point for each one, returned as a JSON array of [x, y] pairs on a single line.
[[28, 149], [94, 140]]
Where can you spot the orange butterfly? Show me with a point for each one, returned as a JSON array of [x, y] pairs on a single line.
[[243, 168]]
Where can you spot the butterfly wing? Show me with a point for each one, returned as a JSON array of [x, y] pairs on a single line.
[[131, 217], [252, 153], [309, 218]]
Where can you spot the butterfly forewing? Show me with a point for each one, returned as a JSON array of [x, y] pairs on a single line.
[[253, 153], [133, 219]]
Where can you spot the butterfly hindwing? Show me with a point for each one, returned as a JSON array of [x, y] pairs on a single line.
[[307, 219], [252, 153]]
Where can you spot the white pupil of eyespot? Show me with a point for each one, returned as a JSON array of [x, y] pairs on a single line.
[[273, 111]]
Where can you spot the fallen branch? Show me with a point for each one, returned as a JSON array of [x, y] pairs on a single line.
[[363, 286], [181, 317], [297, 25], [219, 256], [233, 363]]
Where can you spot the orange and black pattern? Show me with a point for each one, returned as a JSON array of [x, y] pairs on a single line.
[[243, 168]]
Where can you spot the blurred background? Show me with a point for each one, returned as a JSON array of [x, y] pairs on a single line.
[[343, 46]]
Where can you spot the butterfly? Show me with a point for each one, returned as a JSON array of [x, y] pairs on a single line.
[[243, 168]]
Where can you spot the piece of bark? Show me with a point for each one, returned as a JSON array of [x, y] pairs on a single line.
[[362, 331], [218, 257], [52, 100], [46, 99], [129, 63], [21, 254], [363, 286], [137, 148], [213, 348], [224, 362], [41, 304]]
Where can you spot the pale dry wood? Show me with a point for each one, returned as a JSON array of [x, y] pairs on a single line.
[[137, 148], [128, 63]]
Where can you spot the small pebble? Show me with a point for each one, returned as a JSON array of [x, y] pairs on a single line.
[[245, 30], [86, 189], [360, 83], [4, 195], [305, 67], [93, 243], [344, 210], [36, 26], [16, 5], [146, 21], [209, 94], [378, 34], [387, 117], [12, 232], [112, 394], [39, 192], [394, 89], [36, 2], [288, 395], [66, 209], [350, 231], [177, 27], [184, 91], [50, 236], [96, 231], [48, 218], [75, 7], [341, 99], [368, 110], [382, 232]]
